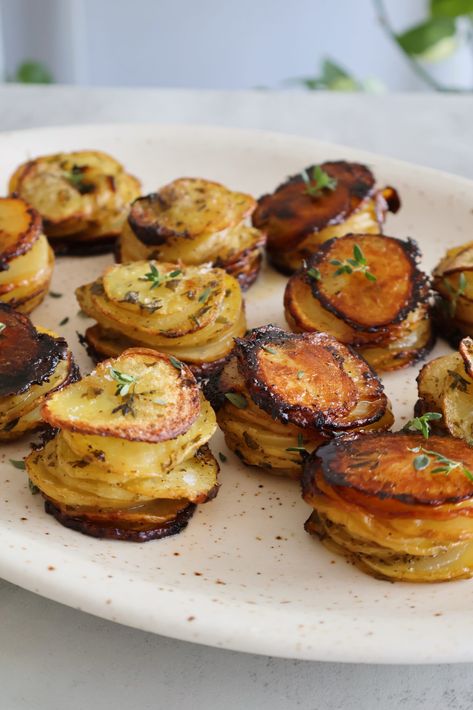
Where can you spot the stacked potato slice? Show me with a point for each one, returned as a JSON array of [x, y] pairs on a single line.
[[83, 198], [131, 458], [26, 259], [445, 386], [195, 221], [192, 312], [396, 504], [367, 291], [33, 363], [321, 202], [453, 281], [281, 395]]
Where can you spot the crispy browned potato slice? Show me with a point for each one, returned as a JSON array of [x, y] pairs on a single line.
[[290, 213], [130, 407], [27, 357], [20, 227], [466, 352], [362, 302], [188, 208], [399, 466], [150, 521], [309, 379]]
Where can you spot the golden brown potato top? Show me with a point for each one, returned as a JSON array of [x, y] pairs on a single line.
[[142, 395], [188, 208], [27, 357], [400, 466], [294, 210], [20, 227], [376, 289]]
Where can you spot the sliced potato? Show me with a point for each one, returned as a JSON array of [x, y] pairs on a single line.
[[186, 209], [309, 379], [123, 398], [20, 227]]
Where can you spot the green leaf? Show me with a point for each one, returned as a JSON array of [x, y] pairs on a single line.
[[222, 457], [2, 327], [422, 38], [20, 464], [420, 462], [236, 399], [332, 71], [32, 72], [175, 362], [450, 8], [314, 273]]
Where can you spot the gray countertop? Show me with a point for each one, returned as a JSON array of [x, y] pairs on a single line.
[[55, 657]]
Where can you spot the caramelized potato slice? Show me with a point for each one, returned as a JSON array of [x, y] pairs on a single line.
[[291, 213], [466, 352], [395, 288], [309, 379], [27, 357], [151, 521], [186, 209], [399, 466], [20, 227], [131, 407]]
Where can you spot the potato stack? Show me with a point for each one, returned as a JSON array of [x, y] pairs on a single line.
[[453, 282], [130, 460], [396, 504], [191, 312], [367, 291], [194, 221], [83, 198], [445, 386], [282, 395], [317, 204], [26, 259], [33, 364]]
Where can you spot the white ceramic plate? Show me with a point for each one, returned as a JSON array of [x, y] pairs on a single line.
[[244, 574]]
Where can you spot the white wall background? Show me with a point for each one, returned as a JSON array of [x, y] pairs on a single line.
[[207, 43]]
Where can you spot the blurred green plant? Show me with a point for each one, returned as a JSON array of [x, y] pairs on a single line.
[[334, 77], [448, 24], [32, 72]]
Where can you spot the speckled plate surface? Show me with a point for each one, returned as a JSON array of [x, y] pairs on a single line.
[[244, 575]]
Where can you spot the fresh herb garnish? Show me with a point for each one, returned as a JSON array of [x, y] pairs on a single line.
[[205, 294], [458, 382], [237, 400], [222, 457], [64, 321], [155, 278], [422, 423], [2, 327], [319, 181], [300, 448], [300, 374], [445, 465], [124, 381], [455, 293], [357, 263], [314, 273], [126, 407], [33, 487], [269, 350], [18, 464], [55, 294], [76, 178], [175, 362]]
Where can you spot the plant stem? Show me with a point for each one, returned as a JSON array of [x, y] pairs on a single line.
[[422, 73]]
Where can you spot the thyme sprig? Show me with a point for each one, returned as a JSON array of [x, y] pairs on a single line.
[[300, 448], [454, 293], [422, 423], [319, 181], [156, 279], [357, 263], [2, 327], [125, 388], [444, 464]]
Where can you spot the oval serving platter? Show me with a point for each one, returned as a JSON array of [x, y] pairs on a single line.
[[244, 575]]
